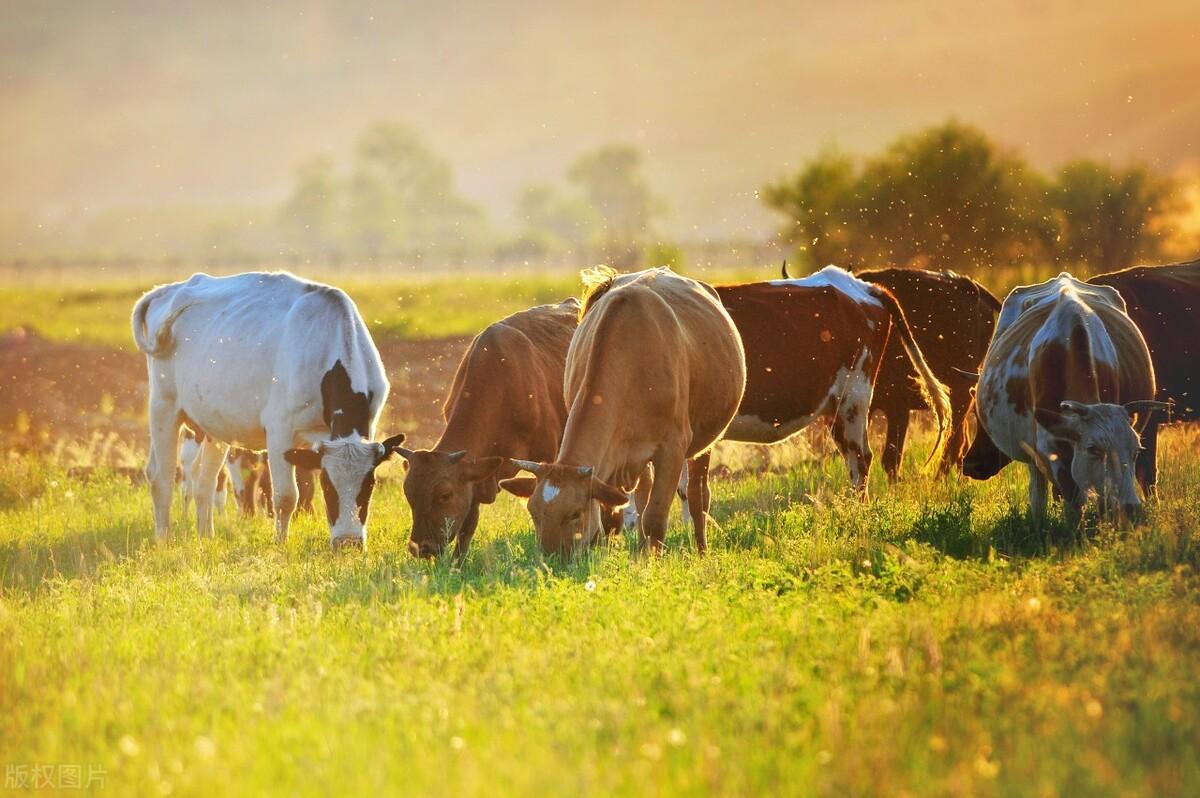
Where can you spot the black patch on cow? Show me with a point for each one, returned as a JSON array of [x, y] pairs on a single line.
[[363, 500], [344, 410]]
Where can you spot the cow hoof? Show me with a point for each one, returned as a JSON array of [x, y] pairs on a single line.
[[347, 542]]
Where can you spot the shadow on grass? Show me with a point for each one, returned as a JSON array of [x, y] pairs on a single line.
[[30, 566]]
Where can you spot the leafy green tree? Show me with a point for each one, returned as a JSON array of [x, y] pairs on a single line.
[[551, 220], [402, 195], [313, 214], [823, 208], [612, 181], [945, 197], [1109, 218]]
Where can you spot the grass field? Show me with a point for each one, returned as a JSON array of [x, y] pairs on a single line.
[[922, 644]]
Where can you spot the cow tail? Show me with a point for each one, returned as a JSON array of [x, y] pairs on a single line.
[[932, 390], [155, 341]]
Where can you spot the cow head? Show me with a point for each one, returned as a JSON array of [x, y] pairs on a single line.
[[1103, 446], [565, 503], [444, 490], [347, 468]]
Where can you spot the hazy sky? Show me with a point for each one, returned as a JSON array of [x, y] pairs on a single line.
[[145, 103]]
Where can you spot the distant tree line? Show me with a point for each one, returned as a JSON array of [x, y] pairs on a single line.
[[399, 197], [950, 197]]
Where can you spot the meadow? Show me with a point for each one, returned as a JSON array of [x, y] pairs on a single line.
[[924, 643]]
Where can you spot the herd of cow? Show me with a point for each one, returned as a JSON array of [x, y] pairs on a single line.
[[616, 398]]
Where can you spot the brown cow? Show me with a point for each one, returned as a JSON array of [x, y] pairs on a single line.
[[506, 401], [813, 349], [1164, 302], [952, 318], [654, 375]]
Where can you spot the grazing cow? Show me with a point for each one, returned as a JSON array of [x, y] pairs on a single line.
[[1164, 302], [506, 401], [189, 448], [266, 361], [1065, 374], [952, 318], [813, 349], [654, 375], [250, 477]]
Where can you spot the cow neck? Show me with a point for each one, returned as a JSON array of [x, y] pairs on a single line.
[[475, 427], [592, 432]]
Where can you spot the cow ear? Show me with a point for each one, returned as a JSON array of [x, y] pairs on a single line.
[[480, 468], [303, 458], [390, 446], [608, 495], [1057, 424], [519, 486]]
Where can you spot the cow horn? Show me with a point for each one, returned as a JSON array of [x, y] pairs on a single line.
[[527, 465], [454, 457], [405, 453], [973, 376], [1145, 406], [585, 471], [1078, 408], [783, 271]]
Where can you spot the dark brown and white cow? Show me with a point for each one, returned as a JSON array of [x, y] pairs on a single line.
[[1064, 378], [1164, 302], [654, 375], [267, 361], [952, 318], [813, 350], [506, 401]]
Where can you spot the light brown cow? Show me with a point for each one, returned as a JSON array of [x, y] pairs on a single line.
[[654, 375], [506, 401]]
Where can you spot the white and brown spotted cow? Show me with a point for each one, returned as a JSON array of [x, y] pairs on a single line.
[[267, 361], [653, 376], [1065, 376]]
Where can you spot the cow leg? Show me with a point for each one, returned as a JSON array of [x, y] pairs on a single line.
[[1146, 467], [162, 465], [698, 498], [850, 429], [466, 533], [667, 468], [1037, 497], [897, 431], [641, 494], [209, 460], [266, 489], [283, 481], [305, 487]]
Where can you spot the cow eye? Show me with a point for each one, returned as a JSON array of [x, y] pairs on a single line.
[[445, 497], [1095, 451]]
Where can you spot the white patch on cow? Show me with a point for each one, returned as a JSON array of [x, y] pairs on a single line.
[[549, 493], [346, 463], [838, 279]]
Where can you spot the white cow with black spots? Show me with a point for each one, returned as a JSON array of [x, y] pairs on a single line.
[[266, 361]]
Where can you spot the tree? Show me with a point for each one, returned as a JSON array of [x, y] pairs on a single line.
[[822, 206], [948, 197], [402, 195], [611, 180], [1109, 218], [551, 220], [945, 197], [313, 214]]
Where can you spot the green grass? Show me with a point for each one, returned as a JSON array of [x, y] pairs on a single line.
[[410, 308], [922, 644]]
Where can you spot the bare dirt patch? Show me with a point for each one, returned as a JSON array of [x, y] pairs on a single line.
[[53, 391]]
